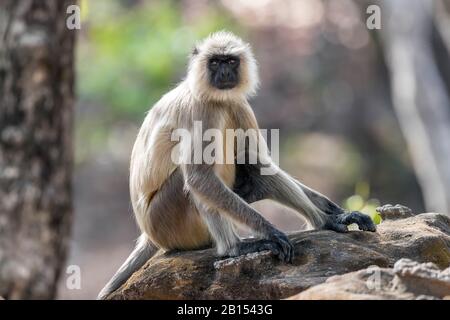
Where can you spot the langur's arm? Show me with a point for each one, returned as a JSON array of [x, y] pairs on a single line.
[[209, 188], [205, 185]]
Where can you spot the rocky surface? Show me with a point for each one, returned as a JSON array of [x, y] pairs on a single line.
[[407, 280], [391, 212], [319, 255]]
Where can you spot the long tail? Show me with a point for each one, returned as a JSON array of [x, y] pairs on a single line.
[[143, 251]]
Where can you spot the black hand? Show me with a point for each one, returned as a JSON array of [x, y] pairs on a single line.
[[340, 222], [284, 246]]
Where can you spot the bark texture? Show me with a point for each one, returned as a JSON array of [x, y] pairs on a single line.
[[36, 106]]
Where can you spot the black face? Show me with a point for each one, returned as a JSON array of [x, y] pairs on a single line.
[[223, 71]]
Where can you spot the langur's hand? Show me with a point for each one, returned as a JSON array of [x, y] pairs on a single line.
[[281, 246], [340, 222]]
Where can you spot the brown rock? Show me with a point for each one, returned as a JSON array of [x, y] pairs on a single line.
[[391, 212], [319, 255], [407, 280]]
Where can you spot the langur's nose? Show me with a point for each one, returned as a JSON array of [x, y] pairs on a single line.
[[226, 74], [222, 74]]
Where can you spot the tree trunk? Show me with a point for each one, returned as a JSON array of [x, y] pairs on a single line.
[[36, 107], [419, 95]]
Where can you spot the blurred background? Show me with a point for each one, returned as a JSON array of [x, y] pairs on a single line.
[[363, 114]]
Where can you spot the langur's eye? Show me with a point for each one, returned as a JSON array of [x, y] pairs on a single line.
[[213, 63], [232, 62]]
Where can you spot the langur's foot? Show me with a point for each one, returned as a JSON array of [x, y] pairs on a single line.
[[279, 246], [340, 222]]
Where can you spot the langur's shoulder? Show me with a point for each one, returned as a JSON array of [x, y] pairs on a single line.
[[177, 96]]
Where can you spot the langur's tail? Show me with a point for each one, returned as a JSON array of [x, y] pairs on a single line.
[[143, 251]]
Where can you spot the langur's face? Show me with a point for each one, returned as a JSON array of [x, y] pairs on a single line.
[[223, 71]]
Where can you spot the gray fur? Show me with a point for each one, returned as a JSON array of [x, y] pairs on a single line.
[[143, 251], [222, 230], [189, 206]]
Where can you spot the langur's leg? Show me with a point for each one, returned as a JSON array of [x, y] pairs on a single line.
[[228, 242], [221, 229], [280, 187], [252, 186], [172, 221]]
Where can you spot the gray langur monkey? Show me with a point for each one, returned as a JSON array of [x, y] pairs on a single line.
[[192, 206]]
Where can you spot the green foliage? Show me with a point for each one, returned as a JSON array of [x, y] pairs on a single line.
[[129, 56], [360, 201]]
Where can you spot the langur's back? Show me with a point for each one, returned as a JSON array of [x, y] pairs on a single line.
[[151, 159]]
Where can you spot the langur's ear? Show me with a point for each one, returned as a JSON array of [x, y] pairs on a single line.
[[194, 51]]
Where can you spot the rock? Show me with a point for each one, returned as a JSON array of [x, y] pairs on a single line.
[[391, 212], [422, 279], [319, 255], [407, 280]]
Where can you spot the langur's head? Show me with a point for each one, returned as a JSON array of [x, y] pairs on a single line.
[[222, 67]]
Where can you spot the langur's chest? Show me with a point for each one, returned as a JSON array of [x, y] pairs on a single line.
[[225, 167]]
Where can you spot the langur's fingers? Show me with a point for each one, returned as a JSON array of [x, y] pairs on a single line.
[[282, 255], [289, 251], [291, 254], [272, 247], [338, 227], [363, 221]]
